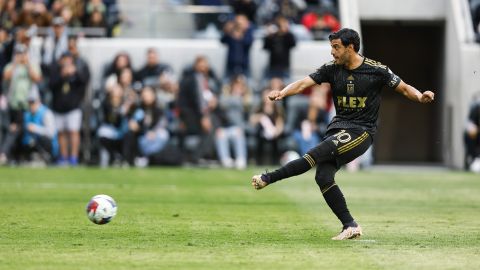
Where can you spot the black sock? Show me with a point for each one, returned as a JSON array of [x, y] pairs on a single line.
[[294, 167], [334, 198], [350, 224]]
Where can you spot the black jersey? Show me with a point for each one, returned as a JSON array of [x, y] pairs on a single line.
[[356, 92]]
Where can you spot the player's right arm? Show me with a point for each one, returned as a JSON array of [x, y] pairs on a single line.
[[292, 89], [320, 76]]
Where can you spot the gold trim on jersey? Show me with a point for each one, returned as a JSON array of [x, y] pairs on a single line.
[[349, 146], [309, 159], [374, 63]]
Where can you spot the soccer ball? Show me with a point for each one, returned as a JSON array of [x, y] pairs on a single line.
[[101, 209]]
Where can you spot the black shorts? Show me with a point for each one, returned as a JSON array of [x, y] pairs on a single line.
[[341, 146]]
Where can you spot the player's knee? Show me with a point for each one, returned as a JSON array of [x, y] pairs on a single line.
[[324, 180]]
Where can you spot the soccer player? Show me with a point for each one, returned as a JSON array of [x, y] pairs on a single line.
[[356, 82]]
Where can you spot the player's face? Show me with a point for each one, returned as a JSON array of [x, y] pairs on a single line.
[[339, 52]]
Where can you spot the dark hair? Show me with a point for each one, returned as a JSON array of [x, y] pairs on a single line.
[[152, 50], [73, 38], [347, 36], [113, 66]]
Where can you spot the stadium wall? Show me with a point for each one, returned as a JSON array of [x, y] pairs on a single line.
[[462, 79], [180, 53], [402, 10]]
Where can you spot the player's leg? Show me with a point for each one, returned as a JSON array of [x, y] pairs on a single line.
[[350, 145], [322, 152], [325, 178]]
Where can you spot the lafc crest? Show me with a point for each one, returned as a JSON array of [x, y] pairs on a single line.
[[350, 85], [350, 88]]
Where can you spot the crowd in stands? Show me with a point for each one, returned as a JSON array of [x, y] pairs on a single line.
[[101, 14], [310, 19], [151, 115]]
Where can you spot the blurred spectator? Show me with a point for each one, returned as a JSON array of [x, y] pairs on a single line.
[[158, 75], [135, 117], [311, 121], [475, 10], [202, 20], [245, 7], [149, 74], [114, 125], [8, 14], [279, 42], [18, 78], [125, 80], [113, 17], [6, 47], [197, 99], [290, 9], [39, 129], [69, 18], [24, 35], [34, 12], [294, 108], [153, 127], [72, 12], [3, 128], [235, 102], [68, 82], [95, 12], [472, 136], [238, 36], [268, 121], [93, 5], [56, 7], [96, 19], [121, 60], [6, 50], [55, 44], [168, 90], [321, 24], [112, 71], [80, 63]]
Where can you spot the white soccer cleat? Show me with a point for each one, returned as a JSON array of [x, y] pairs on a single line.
[[258, 182], [349, 233]]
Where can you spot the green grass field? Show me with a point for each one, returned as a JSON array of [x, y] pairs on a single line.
[[213, 219]]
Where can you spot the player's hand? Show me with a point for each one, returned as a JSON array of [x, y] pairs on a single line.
[[427, 97], [275, 95]]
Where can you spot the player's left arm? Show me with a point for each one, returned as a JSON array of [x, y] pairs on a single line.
[[412, 93]]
